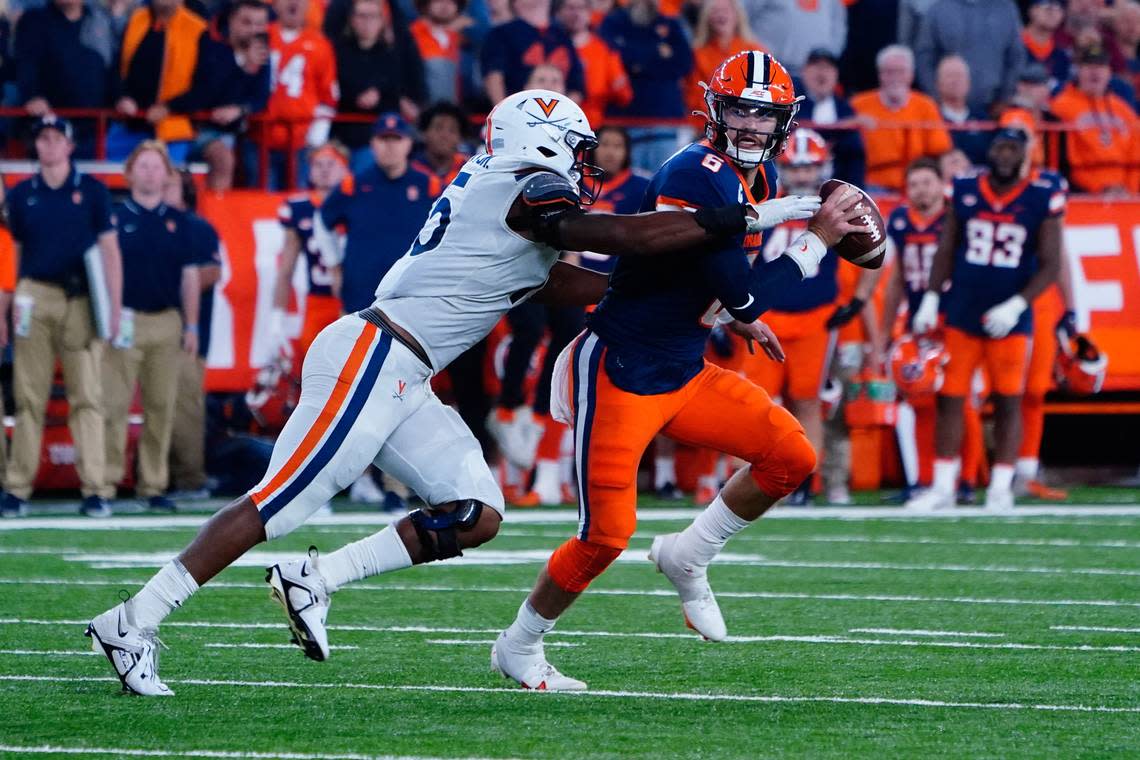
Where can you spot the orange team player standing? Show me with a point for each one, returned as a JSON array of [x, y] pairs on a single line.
[[1000, 248], [638, 369], [1104, 147], [722, 31], [7, 288], [606, 80], [304, 91], [891, 148], [328, 167]]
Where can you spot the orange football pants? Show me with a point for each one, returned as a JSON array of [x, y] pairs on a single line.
[[1005, 361], [718, 409]]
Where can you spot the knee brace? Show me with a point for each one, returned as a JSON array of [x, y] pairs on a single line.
[[574, 564], [437, 529], [789, 463]]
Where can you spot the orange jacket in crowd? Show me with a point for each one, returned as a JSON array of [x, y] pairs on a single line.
[[304, 85], [180, 58], [705, 60], [606, 81], [7, 261], [1104, 143], [890, 149]]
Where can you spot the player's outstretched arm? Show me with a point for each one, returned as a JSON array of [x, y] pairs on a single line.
[[569, 285]]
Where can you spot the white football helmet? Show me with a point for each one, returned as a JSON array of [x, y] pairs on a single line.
[[546, 129]]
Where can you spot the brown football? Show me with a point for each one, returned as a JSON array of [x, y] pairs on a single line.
[[865, 249]]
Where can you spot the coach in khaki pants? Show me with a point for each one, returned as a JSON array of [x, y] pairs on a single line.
[[161, 292], [54, 217]]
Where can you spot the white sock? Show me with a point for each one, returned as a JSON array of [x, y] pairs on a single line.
[[381, 552], [1001, 477], [664, 471], [169, 588], [708, 534], [1027, 468], [529, 627], [946, 475]]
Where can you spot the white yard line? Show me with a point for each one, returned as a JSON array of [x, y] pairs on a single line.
[[811, 639], [249, 645], [668, 593], [54, 652], [670, 696], [1103, 629], [923, 632], [51, 749], [570, 516], [489, 642]]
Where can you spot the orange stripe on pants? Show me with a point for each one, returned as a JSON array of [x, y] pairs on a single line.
[[327, 415]]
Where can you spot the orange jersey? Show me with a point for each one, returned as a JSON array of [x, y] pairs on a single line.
[[890, 149], [705, 60], [303, 85], [606, 81], [7, 262], [435, 41], [1104, 146]]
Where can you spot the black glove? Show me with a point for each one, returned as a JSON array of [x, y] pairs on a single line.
[[721, 342], [845, 313], [1067, 325]]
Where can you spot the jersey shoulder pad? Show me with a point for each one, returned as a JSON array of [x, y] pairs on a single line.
[[897, 221], [548, 190], [697, 177]]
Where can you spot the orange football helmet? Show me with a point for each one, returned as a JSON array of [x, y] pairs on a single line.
[[806, 148], [917, 364], [750, 85], [274, 394], [1081, 366]]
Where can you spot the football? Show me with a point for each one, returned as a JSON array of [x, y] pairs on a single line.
[[865, 249]]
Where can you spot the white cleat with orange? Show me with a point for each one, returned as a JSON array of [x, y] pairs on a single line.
[[698, 604], [528, 667]]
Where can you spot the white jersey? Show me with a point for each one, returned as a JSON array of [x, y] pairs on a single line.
[[467, 268]]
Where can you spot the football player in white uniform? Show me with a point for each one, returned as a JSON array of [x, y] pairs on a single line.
[[490, 241]]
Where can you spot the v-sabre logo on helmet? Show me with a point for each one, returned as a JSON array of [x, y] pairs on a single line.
[[547, 106]]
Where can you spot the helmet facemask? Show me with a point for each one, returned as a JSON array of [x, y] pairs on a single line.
[[774, 141], [587, 176]]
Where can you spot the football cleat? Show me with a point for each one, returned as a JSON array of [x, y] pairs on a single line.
[[1035, 489], [999, 501], [517, 434], [133, 651], [702, 613], [94, 506], [12, 506], [300, 590], [930, 500], [529, 668], [365, 491]]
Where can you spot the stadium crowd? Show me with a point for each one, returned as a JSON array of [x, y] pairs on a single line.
[[300, 94]]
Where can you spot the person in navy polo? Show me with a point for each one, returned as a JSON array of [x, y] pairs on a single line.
[[161, 289], [55, 217], [380, 214]]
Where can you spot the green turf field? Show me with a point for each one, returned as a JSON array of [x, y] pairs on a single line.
[[895, 636]]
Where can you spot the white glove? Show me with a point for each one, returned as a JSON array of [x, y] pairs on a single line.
[[926, 318], [318, 133], [278, 339], [998, 321], [771, 214]]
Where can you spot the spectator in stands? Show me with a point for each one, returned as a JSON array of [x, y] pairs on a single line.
[[790, 29], [891, 148], [721, 32], [911, 14], [162, 291], [1028, 109], [303, 99], [231, 82], [987, 34], [377, 73], [188, 439], [443, 127], [606, 81], [871, 26], [375, 237], [823, 105], [439, 38], [120, 12], [160, 51], [55, 216], [512, 49], [1104, 147], [1126, 24], [952, 87], [66, 58], [1039, 39], [1090, 16], [656, 53], [954, 163]]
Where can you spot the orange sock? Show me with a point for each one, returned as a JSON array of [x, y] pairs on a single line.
[[550, 446], [973, 447], [576, 563], [925, 416], [1032, 425]]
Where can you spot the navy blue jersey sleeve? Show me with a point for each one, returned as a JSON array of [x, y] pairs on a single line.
[[693, 188], [16, 204], [744, 290], [334, 211], [205, 244], [100, 207], [896, 226]]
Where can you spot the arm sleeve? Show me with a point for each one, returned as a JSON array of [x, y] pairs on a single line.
[[494, 58], [332, 213], [681, 62], [748, 291], [101, 208]]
